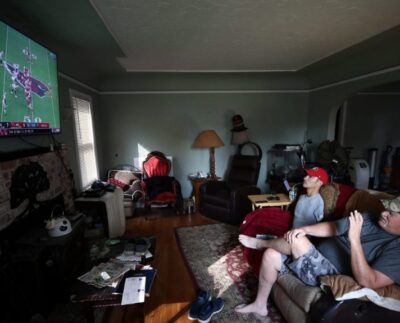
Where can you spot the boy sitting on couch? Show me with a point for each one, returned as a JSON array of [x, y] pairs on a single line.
[[309, 209]]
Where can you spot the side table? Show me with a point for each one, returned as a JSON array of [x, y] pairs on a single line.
[[196, 183], [269, 200]]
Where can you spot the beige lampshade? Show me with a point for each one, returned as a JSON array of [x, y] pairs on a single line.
[[208, 139]]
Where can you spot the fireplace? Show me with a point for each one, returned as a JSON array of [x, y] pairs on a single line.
[[35, 269], [30, 178]]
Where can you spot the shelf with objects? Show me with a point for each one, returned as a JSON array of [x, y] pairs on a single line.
[[284, 162]]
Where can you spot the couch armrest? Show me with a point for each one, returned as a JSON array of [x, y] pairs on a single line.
[[301, 294], [210, 187]]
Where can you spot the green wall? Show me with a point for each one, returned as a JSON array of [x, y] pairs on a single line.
[[339, 77], [325, 101], [372, 121], [170, 122]]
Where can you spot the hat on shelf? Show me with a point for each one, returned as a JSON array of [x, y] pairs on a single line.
[[238, 124]]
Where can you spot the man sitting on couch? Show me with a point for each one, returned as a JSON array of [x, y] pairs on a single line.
[[362, 245]]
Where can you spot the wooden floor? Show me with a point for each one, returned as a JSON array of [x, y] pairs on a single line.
[[173, 289]]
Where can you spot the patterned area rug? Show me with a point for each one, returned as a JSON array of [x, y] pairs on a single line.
[[215, 258]]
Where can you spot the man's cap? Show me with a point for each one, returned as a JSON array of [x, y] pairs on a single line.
[[318, 172], [238, 123], [392, 205]]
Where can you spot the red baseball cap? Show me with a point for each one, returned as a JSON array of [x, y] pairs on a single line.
[[318, 172]]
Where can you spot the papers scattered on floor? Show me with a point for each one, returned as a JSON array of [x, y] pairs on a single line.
[[133, 258], [104, 274], [108, 273], [134, 290]]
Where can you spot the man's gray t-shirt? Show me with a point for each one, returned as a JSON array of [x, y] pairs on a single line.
[[309, 210], [381, 249]]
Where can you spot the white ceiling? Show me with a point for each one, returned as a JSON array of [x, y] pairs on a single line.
[[240, 35]]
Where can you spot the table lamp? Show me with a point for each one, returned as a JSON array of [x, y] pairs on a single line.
[[209, 139]]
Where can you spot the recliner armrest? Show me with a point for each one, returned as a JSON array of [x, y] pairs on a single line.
[[245, 190], [213, 186]]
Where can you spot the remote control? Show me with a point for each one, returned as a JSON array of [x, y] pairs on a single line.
[[266, 236]]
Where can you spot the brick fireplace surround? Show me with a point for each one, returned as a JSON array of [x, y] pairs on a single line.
[[56, 167]]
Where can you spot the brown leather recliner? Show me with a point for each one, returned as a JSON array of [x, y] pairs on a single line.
[[227, 201]]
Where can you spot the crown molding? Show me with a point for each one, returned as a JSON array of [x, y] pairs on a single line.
[[315, 89]]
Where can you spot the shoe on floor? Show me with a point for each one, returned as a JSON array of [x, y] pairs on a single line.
[[203, 296], [208, 310]]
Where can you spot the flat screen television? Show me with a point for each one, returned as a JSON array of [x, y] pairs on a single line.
[[28, 86]]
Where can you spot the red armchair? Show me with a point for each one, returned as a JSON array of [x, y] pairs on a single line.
[[158, 186]]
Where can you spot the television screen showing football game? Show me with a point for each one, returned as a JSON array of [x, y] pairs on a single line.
[[28, 86]]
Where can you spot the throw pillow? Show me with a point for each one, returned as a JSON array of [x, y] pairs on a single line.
[[363, 201], [329, 194], [345, 287]]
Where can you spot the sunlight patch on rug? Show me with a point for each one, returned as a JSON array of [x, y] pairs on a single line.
[[216, 261]]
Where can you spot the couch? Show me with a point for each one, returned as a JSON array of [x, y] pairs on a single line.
[[300, 303]]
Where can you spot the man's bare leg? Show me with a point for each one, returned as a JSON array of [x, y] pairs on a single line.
[[279, 244], [270, 266]]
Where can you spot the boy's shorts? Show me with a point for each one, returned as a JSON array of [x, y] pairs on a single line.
[[308, 267]]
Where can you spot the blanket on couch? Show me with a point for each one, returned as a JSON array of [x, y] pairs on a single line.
[[271, 220], [345, 287]]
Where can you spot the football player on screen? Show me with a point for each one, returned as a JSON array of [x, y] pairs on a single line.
[[4, 104]]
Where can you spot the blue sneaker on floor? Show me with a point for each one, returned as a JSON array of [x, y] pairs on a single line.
[[208, 310], [203, 296]]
